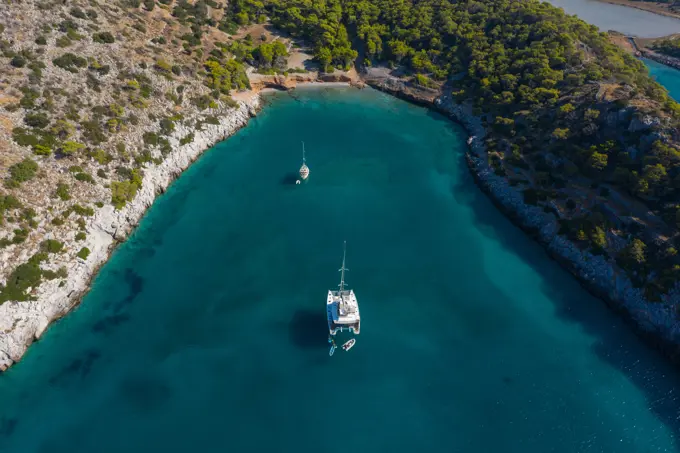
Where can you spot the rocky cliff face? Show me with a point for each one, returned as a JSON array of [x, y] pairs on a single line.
[[23, 322]]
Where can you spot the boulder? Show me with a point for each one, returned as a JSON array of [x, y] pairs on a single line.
[[643, 123]]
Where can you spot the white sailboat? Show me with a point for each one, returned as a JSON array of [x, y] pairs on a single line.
[[304, 170]]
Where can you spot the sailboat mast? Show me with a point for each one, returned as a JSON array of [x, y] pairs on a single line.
[[343, 269], [303, 153]]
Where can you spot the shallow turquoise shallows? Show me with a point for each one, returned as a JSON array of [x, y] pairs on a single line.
[[206, 332], [666, 76]]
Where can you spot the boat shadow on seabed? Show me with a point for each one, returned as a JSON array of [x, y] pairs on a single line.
[[307, 329], [289, 179]]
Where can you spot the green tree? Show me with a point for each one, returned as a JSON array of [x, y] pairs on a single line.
[[560, 133], [70, 148], [598, 237], [597, 161], [325, 58], [636, 251]]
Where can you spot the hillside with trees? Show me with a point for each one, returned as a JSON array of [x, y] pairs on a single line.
[[669, 46], [575, 121], [93, 90]]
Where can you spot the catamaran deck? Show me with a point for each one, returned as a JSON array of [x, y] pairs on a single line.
[[342, 309]]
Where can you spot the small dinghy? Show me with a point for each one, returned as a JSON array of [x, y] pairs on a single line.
[[347, 346], [332, 342]]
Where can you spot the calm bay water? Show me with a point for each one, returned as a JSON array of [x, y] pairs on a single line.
[[630, 21], [206, 330]]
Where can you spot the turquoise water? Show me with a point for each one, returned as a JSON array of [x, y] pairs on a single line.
[[206, 331], [666, 76]]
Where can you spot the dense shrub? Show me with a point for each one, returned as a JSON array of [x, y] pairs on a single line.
[[84, 253], [23, 171], [62, 191], [77, 12], [37, 120], [70, 62], [124, 191], [187, 139], [18, 61], [84, 211], [64, 41], [84, 177], [93, 132], [69, 148], [51, 246], [23, 277], [103, 38]]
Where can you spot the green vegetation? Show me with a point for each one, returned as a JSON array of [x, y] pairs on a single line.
[[103, 38], [268, 55], [77, 12], [227, 75], [20, 235], [124, 191], [62, 191], [529, 70], [556, 96], [80, 210], [62, 272], [70, 62], [51, 246], [7, 203], [189, 138], [670, 47], [24, 277], [84, 177], [18, 61], [69, 148], [37, 120], [21, 172], [83, 253]]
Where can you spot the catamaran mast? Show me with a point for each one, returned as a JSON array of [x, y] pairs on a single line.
[[343, 269]]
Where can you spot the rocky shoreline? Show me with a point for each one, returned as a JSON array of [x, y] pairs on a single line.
[[21, 323], [659, 58], [656, 322]]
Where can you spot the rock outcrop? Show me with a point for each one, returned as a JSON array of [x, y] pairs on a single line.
[[661, 58]]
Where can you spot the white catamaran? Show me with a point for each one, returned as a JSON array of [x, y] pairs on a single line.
[[342, 308], [304, 170]]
